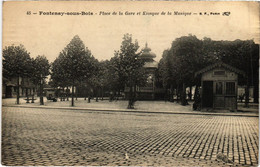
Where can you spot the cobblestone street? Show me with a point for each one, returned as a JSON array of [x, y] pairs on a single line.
[[32, 136]]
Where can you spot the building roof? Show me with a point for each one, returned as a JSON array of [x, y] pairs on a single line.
[[146, 53], [219, 64]]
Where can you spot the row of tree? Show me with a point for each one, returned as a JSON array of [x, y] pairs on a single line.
[[188, 55], [76, 66], [17, 63]]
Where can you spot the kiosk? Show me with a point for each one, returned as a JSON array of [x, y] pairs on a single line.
[[219, 86]]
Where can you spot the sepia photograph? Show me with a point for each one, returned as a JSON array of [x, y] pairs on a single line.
[[130, 83]]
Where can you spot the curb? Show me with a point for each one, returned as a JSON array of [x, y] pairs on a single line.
[[134, 111]]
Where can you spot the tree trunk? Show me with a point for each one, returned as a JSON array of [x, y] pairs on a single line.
[[97, 95], [76, 92], [89, 98], [41, 94], [166, 95], [72, 95], [118, 94], [247, 96], [134, 97], [64, 94], [27, 96], [32, 98], [183, 96], [171, 94], [18, 91], [197, 99], [177, 94], [67, 94], [102, 93], [190, 93], [256, 93], [130, 102], [85, 93], [60, 94]]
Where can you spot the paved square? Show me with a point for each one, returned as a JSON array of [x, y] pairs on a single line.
[[32, 136]]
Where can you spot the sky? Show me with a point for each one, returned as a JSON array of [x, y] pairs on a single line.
[[43, 34]]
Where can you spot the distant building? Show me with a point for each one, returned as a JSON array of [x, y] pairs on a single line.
[[9, 87]]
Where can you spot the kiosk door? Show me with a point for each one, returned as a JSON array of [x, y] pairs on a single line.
[[207, 94]]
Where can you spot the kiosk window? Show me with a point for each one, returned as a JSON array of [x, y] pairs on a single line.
[[230, 88]]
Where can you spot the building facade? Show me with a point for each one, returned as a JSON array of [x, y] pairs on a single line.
[[219, 86], [26, 87]]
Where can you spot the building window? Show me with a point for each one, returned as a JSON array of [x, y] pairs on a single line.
[[230, 88], [219, 87], [219, 73]]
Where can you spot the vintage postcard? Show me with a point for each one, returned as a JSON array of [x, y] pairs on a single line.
[[130, 83]]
